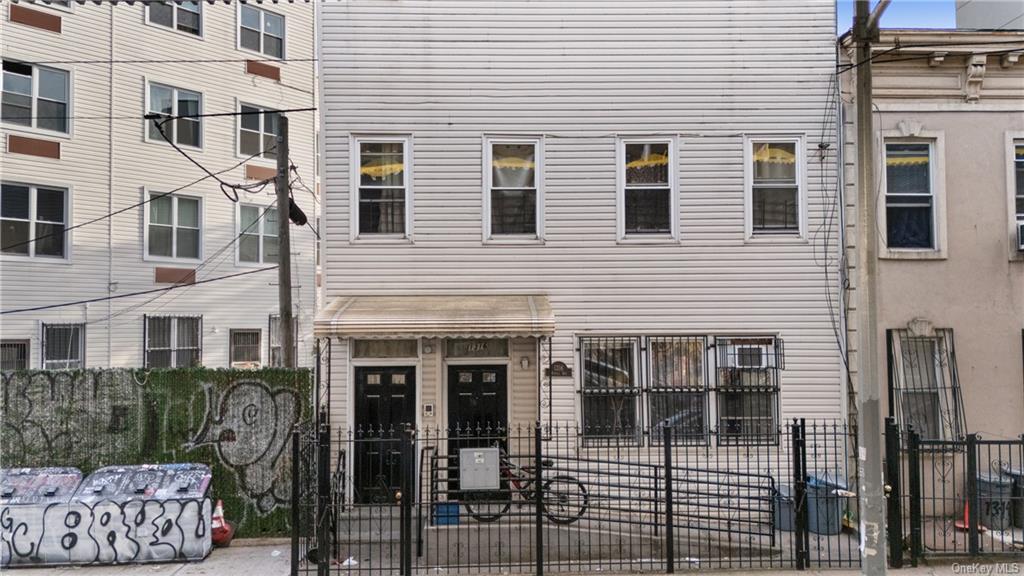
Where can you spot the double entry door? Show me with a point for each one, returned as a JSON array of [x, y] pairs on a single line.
[[385, 404]]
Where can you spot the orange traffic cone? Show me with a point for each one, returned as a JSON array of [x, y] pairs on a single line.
[[966, 522]]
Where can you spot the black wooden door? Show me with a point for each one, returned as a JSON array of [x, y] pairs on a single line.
[[385, 403], [477, 412]]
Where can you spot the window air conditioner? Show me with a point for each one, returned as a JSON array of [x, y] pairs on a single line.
[[748, 357], [1020, 236]]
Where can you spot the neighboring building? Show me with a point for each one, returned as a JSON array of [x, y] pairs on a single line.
[[950, 124], [990, 14], [76, 148], [648, 195]]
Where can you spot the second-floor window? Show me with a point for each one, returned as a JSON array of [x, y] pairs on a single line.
[[647, 189], [513, 188], [257, 132], [774, 186], [33, 220], [909, 198], [261, 31], [257, 234], [382, 187], [185, 16], [173, 341], [35, 96], [174, 226], [183, 105]]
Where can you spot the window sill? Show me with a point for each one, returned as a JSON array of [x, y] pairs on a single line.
[[34, 259], [650, 240], [780, 238], [911, 254], [514, 241], [170, 260], [382, 239], [40, 132]]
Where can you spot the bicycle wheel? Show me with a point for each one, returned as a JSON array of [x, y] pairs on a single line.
[[487, 506], [565, 499]]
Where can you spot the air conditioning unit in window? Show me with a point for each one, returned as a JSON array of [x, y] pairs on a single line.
[[1020, 236], [748, 357]]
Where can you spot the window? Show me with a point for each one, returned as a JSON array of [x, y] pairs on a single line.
[[276, 358], [63, 346], [926, 389], [610, 389], [513, 196], [774, 189], [184, 106], [747, 389], [35, 96], [173, 341], [261, 31], [257, 234], [14, 354], [676, 393], [1018, 177], [385, 348], [245, 348], [33, 220], [185, 16], [909, 200], [383, 188], [647, 189], [257, 132], [174, 228]]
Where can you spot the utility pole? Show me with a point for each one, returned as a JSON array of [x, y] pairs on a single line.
[[871, 492], [286, 325]]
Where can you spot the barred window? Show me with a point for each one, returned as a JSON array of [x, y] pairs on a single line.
[[925, 384], [610, 389], [173, 341], [245, 348], [276, 358], [676, 394], [747, 389], [14, 354]]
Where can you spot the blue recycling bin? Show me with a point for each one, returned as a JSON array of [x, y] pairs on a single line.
[[446, 514]]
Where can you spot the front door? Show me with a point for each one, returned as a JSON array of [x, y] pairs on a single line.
[[477, 411], [385, 403]]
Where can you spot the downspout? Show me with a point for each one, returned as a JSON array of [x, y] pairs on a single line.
[[110, 192]]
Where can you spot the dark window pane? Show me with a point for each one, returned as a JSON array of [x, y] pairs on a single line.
[[382, 211], [53, 85], [162, 14], [249, 248], [648, 211], [608, 364], [746, 415], [921, 411], [908, 226], [513, 212], [52, 115], [159, 358], [14, 236], [188, 21], [13, 355], [14, 201], [270, 251], [18, 68], [249, 143], [250, 118], [683, 411], [245, 346], [250, 39], [49, 240], [63, 345], [647, 163], [775, 209], [17, 109], [269, 146], [273, 46], [158, 331], [50, 205], [188, 131], [907, 169], [160, 243], [677, 362], [188, 243], [609, 416]]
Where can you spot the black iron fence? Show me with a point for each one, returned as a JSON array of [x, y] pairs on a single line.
[[960, 497], [530, 499]]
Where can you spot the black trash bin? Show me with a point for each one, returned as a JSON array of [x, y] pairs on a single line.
[[994, 497], [824, 505]]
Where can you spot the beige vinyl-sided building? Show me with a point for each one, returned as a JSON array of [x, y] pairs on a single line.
[[949, 119], [78, 77]]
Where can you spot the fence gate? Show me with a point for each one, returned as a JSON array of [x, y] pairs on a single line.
[[533, 499]]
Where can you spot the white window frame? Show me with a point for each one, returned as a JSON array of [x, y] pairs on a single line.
[[937, 162], [66, 258], [173, 339], [1012, 138], [354, 185], [174, 112], [81, 344], [174, 21], [54, 5], [146, 196], [799, 142], [231, 345], [488, 177], [259, 231], [69, 105], [620, 189], [238, 131], [238, 32]]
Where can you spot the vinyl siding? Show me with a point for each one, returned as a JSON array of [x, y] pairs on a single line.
[[578, 74], [107, 164]]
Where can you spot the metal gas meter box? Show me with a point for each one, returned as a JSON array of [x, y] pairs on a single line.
[[478, 469]]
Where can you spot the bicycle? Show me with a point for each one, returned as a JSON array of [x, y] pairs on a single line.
[[564, 498]]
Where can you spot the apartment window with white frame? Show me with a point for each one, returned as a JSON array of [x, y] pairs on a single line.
[[173, 226], [513, 197], [647, 189], [747, 389], [245, 348], [33, 220], [257, 132], [257, 234], [173, 341], [383, 187], [63, 346], [14, 354], [910, 203], [774, 188], [261, 31], [36, 97], [180, 109], [1018, 188], [185, 16], [274, 339]]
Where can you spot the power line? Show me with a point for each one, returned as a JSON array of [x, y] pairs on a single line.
[[167, 116], [136, 205], [854, 65], [105, 298], [173, 61]]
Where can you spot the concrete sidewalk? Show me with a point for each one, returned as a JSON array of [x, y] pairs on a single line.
[[273, 560]]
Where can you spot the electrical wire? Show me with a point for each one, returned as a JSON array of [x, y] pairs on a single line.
[[150, 116], [854, 65], [139, 293], [174, 61]]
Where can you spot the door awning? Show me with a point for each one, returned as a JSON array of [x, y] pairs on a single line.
[[499, 316]]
